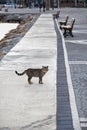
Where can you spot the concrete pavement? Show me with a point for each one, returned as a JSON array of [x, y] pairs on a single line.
[[27, 10], [24, 106]]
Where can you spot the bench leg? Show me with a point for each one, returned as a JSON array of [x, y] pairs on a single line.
[[67, 32], [70, 32], [64, 32]]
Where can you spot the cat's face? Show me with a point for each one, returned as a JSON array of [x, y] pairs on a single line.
[[45, 68]]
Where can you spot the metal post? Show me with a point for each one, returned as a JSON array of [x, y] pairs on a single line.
[[58, 4], [75, 3], [47, 4]]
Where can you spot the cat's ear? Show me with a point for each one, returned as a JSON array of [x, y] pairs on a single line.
[[47, 66]]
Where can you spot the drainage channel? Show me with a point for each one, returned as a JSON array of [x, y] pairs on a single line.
[[64, 117], [67, 115]]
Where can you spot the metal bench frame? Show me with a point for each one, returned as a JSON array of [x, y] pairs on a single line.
[[64, 22], [56, 15], [68, 28]]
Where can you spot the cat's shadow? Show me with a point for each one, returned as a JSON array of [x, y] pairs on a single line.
[[33, 85]]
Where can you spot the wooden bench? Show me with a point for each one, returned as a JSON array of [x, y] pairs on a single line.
[[6, 9], [0, 8], [64, 22], [68, 28], [56, 15]]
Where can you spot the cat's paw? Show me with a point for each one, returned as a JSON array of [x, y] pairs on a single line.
[[30, 82], [41, 83]]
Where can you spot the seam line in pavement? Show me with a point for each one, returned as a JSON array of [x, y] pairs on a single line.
[[77, 62]]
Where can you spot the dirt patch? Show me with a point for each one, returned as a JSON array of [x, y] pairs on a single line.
[[15, 35]]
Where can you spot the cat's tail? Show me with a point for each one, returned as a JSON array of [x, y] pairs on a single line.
[[20, 73]]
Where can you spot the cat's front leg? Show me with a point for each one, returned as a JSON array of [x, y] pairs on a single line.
[[40, 80], [29, 80]]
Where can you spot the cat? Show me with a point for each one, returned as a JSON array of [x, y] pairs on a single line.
[[34, 73]]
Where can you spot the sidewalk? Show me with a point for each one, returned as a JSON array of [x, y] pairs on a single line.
[[24, 106], [37, 106], [27, 10]]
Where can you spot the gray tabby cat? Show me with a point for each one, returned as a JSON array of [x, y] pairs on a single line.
[[34, 73]]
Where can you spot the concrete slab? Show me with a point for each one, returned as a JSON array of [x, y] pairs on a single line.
[[24, 106]]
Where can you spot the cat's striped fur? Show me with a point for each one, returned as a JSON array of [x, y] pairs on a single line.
[[34, 73]]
